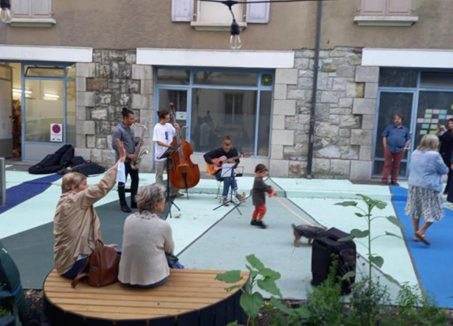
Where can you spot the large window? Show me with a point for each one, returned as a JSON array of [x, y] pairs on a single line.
[[214, 104]]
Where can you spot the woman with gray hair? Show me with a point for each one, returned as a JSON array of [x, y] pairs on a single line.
[[425, 184], [147, 242]]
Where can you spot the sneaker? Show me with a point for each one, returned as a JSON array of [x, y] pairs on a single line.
[[225, 202], [125, 208], [254, 223], [384, 182], [240, 198], [394, 183], [261, 224]]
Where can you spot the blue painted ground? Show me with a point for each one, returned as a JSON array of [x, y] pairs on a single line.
[[434, 263], [18, 194]]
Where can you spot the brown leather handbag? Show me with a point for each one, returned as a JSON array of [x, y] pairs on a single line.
[[103, 265]]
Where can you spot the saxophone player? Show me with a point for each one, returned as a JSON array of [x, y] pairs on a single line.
[[125, 133]]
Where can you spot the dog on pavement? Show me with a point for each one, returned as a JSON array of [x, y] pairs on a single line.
[[307, 231]]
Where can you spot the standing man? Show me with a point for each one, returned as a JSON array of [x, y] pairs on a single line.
[[396, 142], [231, 156], [446, 148], [125, 133], [163, 135]]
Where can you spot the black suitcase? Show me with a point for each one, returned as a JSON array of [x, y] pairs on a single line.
[[328, 248]]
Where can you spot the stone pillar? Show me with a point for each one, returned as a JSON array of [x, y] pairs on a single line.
[[104, 87]]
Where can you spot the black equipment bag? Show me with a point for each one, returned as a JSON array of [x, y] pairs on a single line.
[[88, 168], [54, 162], [327, 249]]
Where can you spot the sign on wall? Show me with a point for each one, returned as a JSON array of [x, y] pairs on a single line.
[[56, 132]]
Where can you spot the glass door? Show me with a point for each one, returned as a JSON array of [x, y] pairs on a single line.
[[391, 103], [6, 109]]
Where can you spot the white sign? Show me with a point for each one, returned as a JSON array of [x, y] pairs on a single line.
[[180, 115], [56, 132]]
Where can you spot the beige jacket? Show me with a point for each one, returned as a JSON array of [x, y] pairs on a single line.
[[146, 239], [73, 229]]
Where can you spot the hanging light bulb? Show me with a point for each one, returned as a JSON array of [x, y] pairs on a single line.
[[235, 38], [5, 12]]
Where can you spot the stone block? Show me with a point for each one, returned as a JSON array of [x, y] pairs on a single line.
[[104, 71], [84, 152], [349, 121], [109, 142], [307, 54], [364, 106], [96, 156], [365, 153], [278, 122], [297, 169], [124, 71], [81, 114], [355, 90], [368, 121], [339, 84], [140, 101], [85, 99], [361, 170], [108, 157], [142, 72], [346, 71], [323, 81], [334, 119], [371, 90], [283, 137], [147, 163], [104, 99], [81, 85], [116, 55], [354, 60], [131, 57], [277, 152], [344, 133], [337, 53], [85, 127], [306, 73], [340, 168], [361, 137], [280, 92], [296, 94], [326, 130], [328, 152], [305, 82], [101, 143], [341, 111], [285, 107], [93, 85], [90, 141], [80, 140], [301, 63], [349, 152], [286, 76], [279, 168], [329, 97], [85, 69], [146, 87], [97, 56], [345, 102], [125, 100], [321, 166], [367, 74], [328, 67]]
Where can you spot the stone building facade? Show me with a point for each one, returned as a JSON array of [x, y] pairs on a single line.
[[344, 121]]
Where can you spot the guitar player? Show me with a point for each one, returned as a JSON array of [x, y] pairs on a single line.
[[213, 157]]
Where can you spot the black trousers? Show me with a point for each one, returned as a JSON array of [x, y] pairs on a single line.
[[134, 185]]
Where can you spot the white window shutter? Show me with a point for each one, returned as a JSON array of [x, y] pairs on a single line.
[[399, 7], [258, 13], [41, 8], [21, 8], [373, 7], [182, 10]]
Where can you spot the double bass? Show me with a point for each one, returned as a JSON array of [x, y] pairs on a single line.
[[184, 174]]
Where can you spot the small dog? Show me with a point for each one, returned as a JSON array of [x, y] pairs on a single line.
[[307, 231]]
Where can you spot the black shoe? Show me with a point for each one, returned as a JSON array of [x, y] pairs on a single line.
[[394, 183], [254, 223], [261, 224], [134, 205], [125, 208]]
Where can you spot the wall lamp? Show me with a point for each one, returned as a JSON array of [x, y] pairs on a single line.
[[5, 11]]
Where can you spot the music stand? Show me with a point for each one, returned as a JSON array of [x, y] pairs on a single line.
[[169, 200], [235, 205]]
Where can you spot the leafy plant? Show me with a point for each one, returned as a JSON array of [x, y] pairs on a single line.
[[367, 213], [252, 301]]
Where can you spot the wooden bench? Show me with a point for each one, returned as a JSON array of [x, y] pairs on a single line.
[[188, 298]]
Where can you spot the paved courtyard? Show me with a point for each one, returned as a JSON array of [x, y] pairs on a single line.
[[221, 239]]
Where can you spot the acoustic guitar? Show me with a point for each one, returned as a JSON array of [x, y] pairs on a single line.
[[217, 163]]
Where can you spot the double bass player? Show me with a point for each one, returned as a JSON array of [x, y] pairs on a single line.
[[163, 135]]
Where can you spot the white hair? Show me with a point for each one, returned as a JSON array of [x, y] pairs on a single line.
[[149, 196]]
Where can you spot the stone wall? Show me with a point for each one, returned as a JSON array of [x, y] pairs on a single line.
[[344, 121], [112, 81]]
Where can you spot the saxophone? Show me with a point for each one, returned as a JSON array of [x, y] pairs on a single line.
[[140, 149]]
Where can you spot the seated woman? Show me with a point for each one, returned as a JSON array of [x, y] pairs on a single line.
[[76, 224], [147, 242]]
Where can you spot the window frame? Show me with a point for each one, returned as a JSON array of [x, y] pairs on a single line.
[[31, 14], [192, 85], [385, 12]]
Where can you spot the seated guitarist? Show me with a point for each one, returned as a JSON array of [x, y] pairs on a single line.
[[232, 156]]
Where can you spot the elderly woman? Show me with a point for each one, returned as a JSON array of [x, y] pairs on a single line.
[[76, 224], [147, 242], [424, 200]]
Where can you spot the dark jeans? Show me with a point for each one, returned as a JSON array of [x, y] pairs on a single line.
[[134, 185], [227, 183], [76, 269]]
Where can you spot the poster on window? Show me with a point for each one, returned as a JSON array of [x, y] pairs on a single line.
[[56, 132]]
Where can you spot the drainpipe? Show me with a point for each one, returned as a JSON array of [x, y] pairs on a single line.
[[311, 135]]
